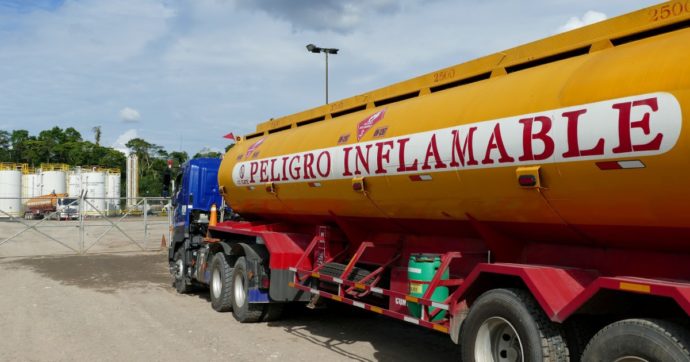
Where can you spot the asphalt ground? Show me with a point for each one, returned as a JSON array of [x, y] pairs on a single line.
[[121, 307]]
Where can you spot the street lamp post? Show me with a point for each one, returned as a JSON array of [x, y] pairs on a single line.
[[314, 49]]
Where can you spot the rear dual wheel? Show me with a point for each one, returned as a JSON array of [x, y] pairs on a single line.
[[180, 273], [242, 310], [508, 325], [639, 340], [230, 292], [221, 283]]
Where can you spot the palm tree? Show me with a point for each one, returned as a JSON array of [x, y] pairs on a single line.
[[97, 133]]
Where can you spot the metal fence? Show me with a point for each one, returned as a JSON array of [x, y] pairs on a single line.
[[84, 225]]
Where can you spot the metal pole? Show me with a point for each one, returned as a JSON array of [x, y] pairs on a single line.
[[326, 52], [146, 226], [82, 197]]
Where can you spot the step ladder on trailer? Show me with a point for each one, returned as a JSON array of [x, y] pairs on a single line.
[[354, 282]]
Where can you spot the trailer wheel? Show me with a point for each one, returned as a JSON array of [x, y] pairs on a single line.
[[241, 309], [221, 283], [508, 325], [180, 273], [639, 340]]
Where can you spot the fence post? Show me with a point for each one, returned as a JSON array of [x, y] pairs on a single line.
[[82, 197], [146, 225]]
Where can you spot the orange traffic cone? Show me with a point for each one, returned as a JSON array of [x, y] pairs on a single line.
[[164, 244]]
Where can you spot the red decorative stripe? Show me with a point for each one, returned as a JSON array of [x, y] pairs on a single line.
[[619, 165], [609, 165], [420, 177]]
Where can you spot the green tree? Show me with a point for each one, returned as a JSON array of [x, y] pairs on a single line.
[[145, 151], [207, 153], [152, 164], [113, 159], [56, 145], [97, 134], [5, 146], [178, 157], [72, 135], [18, 139]]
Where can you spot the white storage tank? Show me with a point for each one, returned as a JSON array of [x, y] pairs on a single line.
[[53, 182], [31, 186], [10, 191], [93, 182], [74, 182], [112, 190]]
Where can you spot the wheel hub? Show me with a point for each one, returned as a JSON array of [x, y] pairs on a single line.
[[216, 284], [497, 340], [179, 268], [239, 290]]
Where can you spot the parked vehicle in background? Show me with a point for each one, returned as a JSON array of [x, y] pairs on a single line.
[[55, 206]]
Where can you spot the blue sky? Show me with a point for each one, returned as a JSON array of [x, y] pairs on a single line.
[[183, 73]]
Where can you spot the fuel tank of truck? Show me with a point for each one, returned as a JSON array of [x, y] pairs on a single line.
[[591, 148]]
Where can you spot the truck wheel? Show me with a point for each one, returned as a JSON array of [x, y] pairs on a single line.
[[639, 340], [241, 309], [180, 273], [221, 283], [508, 325]]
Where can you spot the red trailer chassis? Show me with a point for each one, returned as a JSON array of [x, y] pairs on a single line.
[[560, 290]]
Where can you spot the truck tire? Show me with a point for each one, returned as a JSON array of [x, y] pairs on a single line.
[[639, 340], [221, 283], [180, 275], [242, 310], [508, 325]]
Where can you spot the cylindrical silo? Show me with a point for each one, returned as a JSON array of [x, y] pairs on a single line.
[[31, 185], [53, 182], [10, 191], [132, 180], [112, 190], [74, 182], [93, 183]]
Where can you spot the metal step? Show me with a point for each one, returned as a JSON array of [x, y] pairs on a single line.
[[335, 270]]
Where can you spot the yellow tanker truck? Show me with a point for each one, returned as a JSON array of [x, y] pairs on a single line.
[[533, 204]]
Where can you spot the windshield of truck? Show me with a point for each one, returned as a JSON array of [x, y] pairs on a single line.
[[67, 202]]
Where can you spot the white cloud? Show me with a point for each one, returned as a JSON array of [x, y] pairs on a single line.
[[122, 139], [590, 17], [129, 115]]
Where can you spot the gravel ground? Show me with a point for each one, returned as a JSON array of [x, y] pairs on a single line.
[[121, 307]]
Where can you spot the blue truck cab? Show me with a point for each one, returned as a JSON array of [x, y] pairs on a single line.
[[196, 190], [233, 266]]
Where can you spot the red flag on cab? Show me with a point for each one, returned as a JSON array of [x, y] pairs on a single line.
[[230, 136]]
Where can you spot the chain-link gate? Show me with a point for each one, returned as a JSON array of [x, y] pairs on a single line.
[[85, 225]]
